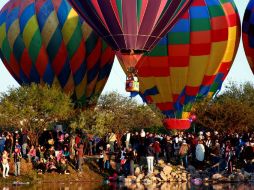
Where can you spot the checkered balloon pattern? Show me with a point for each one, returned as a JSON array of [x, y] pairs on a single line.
[[46, 42], [248, 33], [193, 59]]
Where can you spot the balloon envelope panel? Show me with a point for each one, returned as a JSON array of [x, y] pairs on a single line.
[[47, 42], [131, 24], [193, 59]]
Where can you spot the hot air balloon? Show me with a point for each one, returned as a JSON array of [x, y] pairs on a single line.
[[131, 27], [193, 57], [46, 42], [248, 33]]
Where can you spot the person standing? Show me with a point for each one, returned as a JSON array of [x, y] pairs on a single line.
[[5, 164], [2, 143], [17, 159], [127, 140], [8, 143], [157, 150], [24, 142], [183, 153], [142, 136], [112, 139], [131, 159], [80, 155], [200, 153], [208, 147], [169, 148], [150, 157]]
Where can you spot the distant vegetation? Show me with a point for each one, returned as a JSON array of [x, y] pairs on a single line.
[[37, 107]]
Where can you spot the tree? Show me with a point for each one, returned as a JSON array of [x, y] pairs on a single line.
[[232, 111], [34, 107], [116, 113]]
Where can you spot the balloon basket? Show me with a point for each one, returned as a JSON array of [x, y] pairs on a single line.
[[177, 124], [132, 86]]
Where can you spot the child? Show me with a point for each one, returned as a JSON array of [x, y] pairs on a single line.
[[17, 159]]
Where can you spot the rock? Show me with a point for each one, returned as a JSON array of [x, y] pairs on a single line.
[[127, 180], [206, 179], [156, 172], [151, 186], [173, 174], [158, 179], [140, 177], [170, 179], [247, 175], [163, 176], [153, 178], [191, 169], [252, 177], [149, 176], [239, 170], [167, 170], [165, 186], [217, 176], [231, 177], [121, 178], [140, 186], [240, 177], [137, 171], [132, 177], [147, 181], [161, 162], [132, 186]]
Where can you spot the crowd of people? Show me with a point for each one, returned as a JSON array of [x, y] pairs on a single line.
[[52, 153], [202, 150], [57, 150]]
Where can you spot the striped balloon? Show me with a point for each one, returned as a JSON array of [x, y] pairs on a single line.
[[248, 33], [131, 24], [234, 32], [45, 41], [193, 59]]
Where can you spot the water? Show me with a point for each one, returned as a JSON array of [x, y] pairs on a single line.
[[115, 186]]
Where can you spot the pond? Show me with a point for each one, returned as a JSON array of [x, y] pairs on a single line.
[[115, 186]]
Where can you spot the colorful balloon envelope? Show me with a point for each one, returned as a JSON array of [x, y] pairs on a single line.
[[131, 27], [191, 61], [47, 42], [248, 33]]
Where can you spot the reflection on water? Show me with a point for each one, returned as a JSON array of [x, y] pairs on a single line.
[[114, 186]]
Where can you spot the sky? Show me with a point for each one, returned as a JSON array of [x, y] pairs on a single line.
[[239, 73]]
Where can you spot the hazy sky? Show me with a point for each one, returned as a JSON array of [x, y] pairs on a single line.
[[240, 71]]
